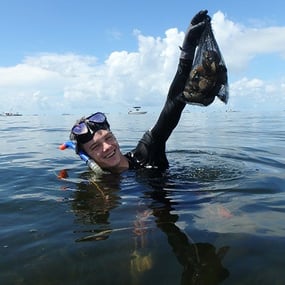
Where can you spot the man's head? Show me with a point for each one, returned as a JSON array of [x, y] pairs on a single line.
[[94, 137]]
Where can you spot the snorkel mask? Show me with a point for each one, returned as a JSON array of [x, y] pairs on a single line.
[[84, 130]]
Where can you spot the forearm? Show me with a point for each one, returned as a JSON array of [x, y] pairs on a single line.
[[173, 107]]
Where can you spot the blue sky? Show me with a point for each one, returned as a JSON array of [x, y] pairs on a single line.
[[70, 56]]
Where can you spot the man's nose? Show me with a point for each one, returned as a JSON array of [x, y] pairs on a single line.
[[105, 146]]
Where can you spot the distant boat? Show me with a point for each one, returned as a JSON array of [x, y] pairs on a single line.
[[136, 111], [9, 114]]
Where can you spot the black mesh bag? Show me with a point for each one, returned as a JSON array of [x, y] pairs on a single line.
[[208, 77]]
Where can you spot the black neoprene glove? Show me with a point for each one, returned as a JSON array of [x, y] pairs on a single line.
[[193, 34]]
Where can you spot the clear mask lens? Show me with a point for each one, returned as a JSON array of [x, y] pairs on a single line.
[[80, 129], [97, 118]]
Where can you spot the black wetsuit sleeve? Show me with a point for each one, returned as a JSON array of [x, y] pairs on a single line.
[[174, 105], [150, 150]]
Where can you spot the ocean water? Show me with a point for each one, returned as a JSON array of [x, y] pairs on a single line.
[[216, 217]]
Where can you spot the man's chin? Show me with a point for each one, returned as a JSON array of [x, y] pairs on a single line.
[[110, 164]]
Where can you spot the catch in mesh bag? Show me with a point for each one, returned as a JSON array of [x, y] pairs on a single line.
[[208, 77]]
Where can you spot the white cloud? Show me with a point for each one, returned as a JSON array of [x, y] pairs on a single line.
[[71, 82], [24, 75], [240, 44]]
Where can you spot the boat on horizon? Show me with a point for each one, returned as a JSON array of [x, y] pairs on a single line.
[[136, 111], [10, 114]]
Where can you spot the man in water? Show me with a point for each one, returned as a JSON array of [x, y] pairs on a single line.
[[94, 137]]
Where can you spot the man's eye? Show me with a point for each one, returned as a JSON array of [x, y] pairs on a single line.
[[95, 147]]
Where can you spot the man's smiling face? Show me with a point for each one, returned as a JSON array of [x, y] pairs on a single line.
[[104, 149]]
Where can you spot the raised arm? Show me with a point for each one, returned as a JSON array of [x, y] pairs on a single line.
[[150, 150], [174, 105]]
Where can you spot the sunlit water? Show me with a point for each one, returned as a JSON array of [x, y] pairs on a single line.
[[216, 217]]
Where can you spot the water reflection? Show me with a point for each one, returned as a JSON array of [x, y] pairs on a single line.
[[201, 262], [94, 201]]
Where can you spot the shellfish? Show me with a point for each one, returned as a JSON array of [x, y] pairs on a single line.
[[205, 79]]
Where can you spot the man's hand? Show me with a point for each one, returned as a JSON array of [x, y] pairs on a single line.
[[193, 34]]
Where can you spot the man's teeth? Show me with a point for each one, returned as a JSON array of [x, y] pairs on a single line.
[[111, 154]]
